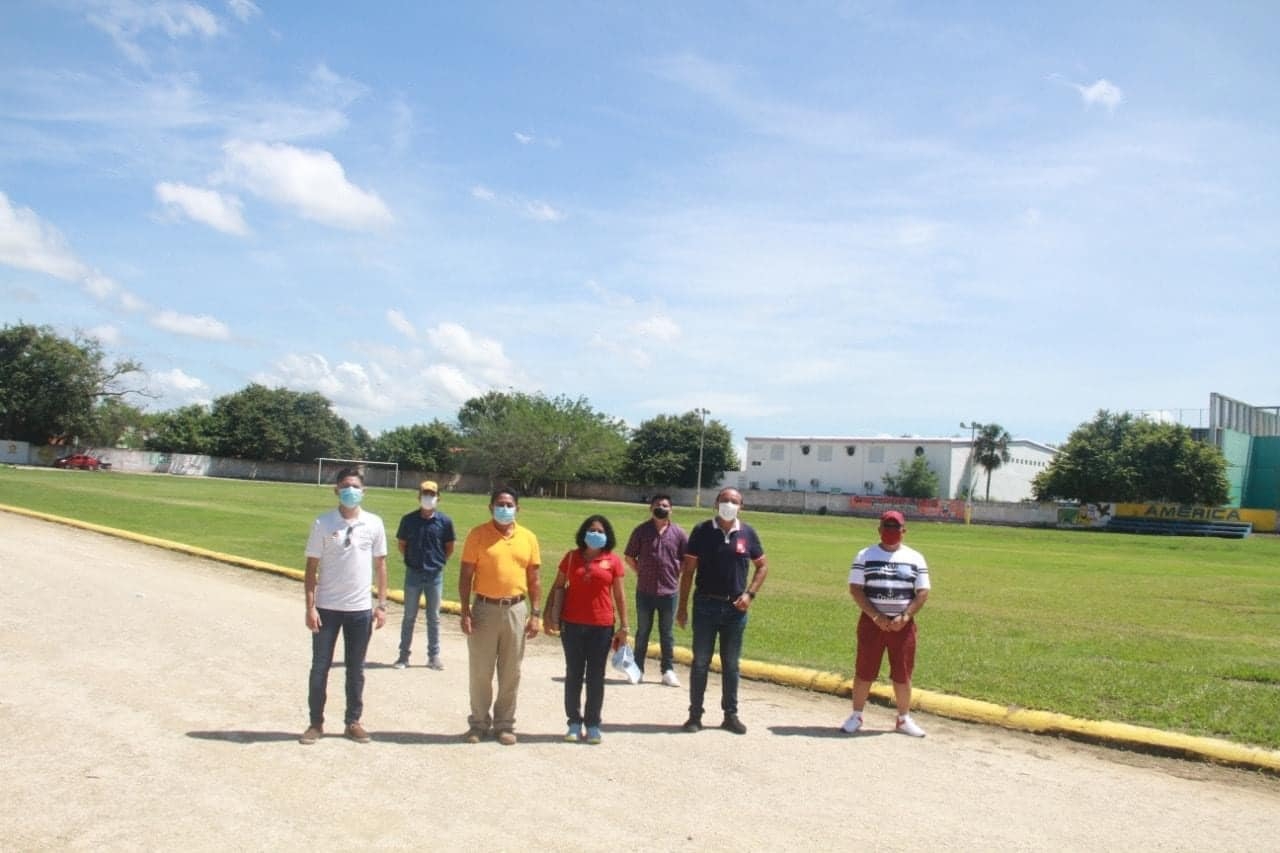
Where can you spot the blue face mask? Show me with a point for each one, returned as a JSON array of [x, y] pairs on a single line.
[[350, 496], [595, 539], [504, 514]]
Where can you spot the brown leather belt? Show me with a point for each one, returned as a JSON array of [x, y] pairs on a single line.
[[501, 602]]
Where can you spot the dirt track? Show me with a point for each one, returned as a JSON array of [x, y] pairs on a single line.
[[152, 701]]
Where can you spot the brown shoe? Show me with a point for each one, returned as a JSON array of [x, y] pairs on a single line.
[[507, 738], [356, 732], [473, 736], [313, 733]]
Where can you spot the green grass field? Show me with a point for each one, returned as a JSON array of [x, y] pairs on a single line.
[[1182, 634]]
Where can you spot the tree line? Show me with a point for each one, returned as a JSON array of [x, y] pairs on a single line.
[[61, 390]]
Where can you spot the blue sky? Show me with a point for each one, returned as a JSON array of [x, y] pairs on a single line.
[[810, 218]]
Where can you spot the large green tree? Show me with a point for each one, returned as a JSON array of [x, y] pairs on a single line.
[[188, 429], [279, 425], [115, 423], [1116, 457], [664, 451], [991, 449], [421, 447], [914, 479], [532, 439], [50, 386]]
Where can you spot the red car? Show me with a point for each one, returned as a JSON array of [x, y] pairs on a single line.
[[81, 460]]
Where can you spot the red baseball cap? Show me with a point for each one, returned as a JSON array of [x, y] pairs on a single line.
[[893, 515]]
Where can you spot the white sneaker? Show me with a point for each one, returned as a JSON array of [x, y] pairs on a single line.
[[853, 724], [669, 678], [908, 726]]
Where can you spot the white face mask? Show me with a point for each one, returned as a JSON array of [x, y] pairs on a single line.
[[727, 510], [428, 501]]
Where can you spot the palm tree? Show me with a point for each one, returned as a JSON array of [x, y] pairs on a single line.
[[991, 449]]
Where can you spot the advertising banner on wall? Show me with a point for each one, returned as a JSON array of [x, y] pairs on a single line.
[[910, 507], [1262, 519]]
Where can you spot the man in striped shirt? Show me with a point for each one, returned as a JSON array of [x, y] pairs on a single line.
[[890, 583]]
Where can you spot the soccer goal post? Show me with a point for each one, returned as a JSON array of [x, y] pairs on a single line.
[[381, 474]]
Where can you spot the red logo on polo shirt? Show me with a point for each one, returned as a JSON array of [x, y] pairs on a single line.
[[740, 547]]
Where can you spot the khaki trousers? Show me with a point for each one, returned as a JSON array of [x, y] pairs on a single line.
[[496, 643]]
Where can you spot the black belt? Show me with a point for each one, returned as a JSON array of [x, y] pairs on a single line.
[[717, 597], [501, 602]]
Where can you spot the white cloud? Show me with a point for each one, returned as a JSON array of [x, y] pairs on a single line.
[[243, 9], [218, 211], [397, 321], [529, 208], [542, 211], [404, 381], [659, 327], [130, 302], [177, 380], [125, 21], [457, 344], [28, 242], [1101, 92], [523, 138], [312, 182], [99, 286], [328, 85], [193, 325], [106, 334]]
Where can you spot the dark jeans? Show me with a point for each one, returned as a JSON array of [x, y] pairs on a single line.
[[586, 651], [715, 618], [665, 607], [356, 626]]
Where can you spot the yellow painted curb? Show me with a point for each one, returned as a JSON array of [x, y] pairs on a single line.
[[941, 704]]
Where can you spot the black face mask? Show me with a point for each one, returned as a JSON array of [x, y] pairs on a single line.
[[661, 512]]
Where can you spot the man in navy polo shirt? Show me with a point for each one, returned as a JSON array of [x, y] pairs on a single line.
[[715, 567], [426, 538]]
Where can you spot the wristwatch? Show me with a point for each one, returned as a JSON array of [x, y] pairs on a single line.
[[535, 612]]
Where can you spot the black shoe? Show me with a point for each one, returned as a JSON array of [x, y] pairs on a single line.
[[692, 725], [733, 724]]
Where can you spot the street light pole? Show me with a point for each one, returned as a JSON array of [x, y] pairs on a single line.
[[973, 427], [702, 440]]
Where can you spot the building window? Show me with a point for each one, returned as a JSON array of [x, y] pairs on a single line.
[[876, 454], [824, 453], [777, 452]]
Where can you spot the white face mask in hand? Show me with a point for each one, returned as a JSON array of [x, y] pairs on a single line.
[[727, 510]]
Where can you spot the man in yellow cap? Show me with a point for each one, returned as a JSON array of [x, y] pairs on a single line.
[[425, 537]]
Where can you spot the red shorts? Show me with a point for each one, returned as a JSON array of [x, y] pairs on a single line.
[[872, 644]]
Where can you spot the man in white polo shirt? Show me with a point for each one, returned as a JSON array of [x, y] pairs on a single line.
[[347, 548]]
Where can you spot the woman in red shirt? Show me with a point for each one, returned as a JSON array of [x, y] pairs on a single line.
[[591, 577]]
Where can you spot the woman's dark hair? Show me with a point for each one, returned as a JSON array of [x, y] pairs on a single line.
[[609, 540]]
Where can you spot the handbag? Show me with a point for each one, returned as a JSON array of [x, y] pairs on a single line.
[[554, 606]]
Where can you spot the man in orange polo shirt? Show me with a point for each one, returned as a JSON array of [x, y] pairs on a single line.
[[497, 586]]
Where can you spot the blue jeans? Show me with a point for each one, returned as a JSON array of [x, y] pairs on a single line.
[[586, 651], [665, 607], [356, 626], [714, 618], [430, 584]]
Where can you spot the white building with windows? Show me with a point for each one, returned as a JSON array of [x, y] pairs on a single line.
[[857, 465]]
